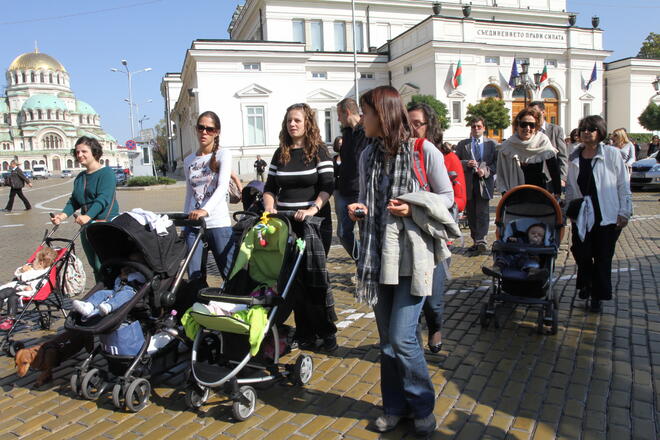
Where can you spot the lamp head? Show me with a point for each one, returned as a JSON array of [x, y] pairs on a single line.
[[124, 62], [147, 69], [524, 67], [114, 70]]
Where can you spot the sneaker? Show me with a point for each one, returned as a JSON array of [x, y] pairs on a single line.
[[7, 324], [482, 246], [330, 343], [426, 426], [104, 308], [386, 423], [83, 307]]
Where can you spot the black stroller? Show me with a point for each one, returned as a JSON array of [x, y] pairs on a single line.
[[519, 209], [252, 197], [164, 260]]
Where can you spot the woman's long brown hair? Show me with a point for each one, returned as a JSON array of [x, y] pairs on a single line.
[[312, 136], [213, 164], [392, 115]]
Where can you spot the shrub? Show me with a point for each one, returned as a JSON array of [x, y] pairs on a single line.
[[149, 181]]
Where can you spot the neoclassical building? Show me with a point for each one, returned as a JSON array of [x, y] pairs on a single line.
[[41, 119], [286, 51]]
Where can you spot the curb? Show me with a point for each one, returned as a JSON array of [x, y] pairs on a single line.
[[149, 188]]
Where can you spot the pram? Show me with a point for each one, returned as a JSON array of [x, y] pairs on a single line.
[[49, 290], [165, 260], [518, 209], [252, 197], [232, 353]]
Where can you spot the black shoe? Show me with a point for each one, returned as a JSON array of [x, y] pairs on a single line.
[[329, 344], [6, 210], [482, 247], [28, 208], [472, 248], [595, 306], [435, 348], [307, 344], [584, 293]]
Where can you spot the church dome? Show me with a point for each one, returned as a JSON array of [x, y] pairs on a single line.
[[44, 102], [36, 61], [84, 109]]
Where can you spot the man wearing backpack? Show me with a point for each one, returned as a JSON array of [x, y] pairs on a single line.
[[260, 167], [478, 157], [17, 181]]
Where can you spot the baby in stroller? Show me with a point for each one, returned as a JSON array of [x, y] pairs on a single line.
[[103, 302], [530, 264], [26, 278]]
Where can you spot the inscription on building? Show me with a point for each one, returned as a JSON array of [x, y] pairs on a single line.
[[520, 35]]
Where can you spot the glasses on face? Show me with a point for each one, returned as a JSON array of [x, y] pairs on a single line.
[[203, 128], [525, 124], [417, 124], [588, 129]]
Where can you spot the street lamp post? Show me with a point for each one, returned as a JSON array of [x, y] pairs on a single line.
[[524, 81], [137, 106], [130, 74], [141, 120], [656, 85]]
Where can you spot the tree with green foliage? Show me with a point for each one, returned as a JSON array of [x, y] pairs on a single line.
[[440, 109], [650, 117], [492, 110], [160, 150], [650, 47]]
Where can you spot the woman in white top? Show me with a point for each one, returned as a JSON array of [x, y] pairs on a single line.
[[207, 173], [621, 140]]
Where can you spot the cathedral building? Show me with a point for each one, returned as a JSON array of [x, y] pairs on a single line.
[[41, 119]]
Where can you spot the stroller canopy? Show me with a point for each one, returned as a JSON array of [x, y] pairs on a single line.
[[125, 235], [528, 202]]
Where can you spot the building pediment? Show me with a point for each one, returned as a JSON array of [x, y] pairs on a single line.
[[323, 95], [409, 89], [587, 97], [456, 94], [253, 91]]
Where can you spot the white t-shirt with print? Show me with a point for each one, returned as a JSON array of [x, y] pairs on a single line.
[[208, 190]]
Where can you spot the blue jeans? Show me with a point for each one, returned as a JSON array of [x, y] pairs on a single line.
[[404, 377], [434, 305], [220, 241], [115, 299], [345, 226]]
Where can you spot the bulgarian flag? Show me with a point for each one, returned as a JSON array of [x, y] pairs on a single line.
[[458, 75], [544, 75]]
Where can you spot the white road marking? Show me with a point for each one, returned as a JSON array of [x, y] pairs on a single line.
[[40, 205], [347, 311], [11, 226]]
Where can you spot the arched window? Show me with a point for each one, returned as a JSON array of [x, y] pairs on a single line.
[[549, 93], [41, 77], [50, 78], [39, 114], [34, 162], [69, 163], [80, 119], [5, 166], [41, 162], [33, 77], [26, 165], [51, 141], [15, 78], [88, 119], [491, 91], [24, 78], [519, 93]]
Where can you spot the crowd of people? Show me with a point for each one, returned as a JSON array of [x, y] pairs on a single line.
[[399, 191]]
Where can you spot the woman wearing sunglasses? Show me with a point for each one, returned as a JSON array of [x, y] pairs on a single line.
[[207, 173], [598, 189], [522, 157]]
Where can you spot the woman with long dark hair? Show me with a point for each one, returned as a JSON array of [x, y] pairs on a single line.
[[207, 172], [300, 179], [399, 248]]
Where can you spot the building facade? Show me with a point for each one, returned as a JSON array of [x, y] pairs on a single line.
[[41, 119], [285, 51]]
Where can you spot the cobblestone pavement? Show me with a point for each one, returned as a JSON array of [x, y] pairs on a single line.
[[598, 377]]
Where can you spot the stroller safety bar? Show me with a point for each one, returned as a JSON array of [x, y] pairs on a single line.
[[518, 247], [215, 294], [181, 219]]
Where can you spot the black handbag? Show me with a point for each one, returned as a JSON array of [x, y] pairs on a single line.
[[573, 209]]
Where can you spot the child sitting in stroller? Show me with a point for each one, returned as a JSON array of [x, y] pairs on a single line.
[[105, 301], [25, 281], [530, 264]]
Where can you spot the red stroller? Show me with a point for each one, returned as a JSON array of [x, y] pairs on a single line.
[[49, 290]]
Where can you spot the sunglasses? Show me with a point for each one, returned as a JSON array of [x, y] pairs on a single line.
[[589, 129], [202, 128], [525, 124], [418, 124]]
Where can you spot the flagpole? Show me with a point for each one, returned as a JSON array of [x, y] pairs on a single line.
[[355, 65]]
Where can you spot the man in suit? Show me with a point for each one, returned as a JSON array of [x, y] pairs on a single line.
[[558, 140], [479, 159], [17, 181]]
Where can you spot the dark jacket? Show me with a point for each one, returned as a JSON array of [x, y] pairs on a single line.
[[488, 164], [314, 273], [17, 179], [556, 135], [353, 142]]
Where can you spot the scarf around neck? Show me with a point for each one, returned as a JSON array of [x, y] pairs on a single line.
[[537, 149], [387, 178]]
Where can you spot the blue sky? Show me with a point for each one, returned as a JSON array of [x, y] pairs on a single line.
[[89, 38]]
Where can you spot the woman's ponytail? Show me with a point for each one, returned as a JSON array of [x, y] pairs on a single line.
[[213, 164]]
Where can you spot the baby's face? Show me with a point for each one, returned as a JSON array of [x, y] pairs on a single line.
[[535, 235], [124, 272]]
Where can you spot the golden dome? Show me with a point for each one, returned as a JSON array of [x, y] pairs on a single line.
[[36, 61]]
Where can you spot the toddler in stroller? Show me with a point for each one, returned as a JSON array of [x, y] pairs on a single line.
[[102, 302], [24, 283], [528, 264]]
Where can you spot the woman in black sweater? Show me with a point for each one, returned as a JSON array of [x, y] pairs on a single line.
[[300, 179]]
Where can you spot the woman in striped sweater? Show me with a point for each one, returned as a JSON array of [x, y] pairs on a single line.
[[300, 179]]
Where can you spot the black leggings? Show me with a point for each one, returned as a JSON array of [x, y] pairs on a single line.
[[11, 296], [593, 257]]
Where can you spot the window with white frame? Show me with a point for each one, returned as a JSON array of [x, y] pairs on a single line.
[[340, 36], [252, 66], [359, 36], [320, 75], [551, 63], [492, 60], [407, 69], [317, 35], [146, 159], [255, 124], [366, 75], [586, 109], [456, 116], [328, 125], [520, 61], [298, 31]]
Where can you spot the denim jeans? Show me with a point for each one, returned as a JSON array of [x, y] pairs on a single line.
[[434, 305], [345, 226], [115, 299], [220, 241], [404, 377]]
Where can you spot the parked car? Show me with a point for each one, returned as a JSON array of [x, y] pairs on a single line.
[[3, 178], [66, 173], [40, 172], [646, 172], [120, 176], [28, 174]]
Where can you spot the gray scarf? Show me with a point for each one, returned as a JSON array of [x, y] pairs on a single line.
[[387, 178]]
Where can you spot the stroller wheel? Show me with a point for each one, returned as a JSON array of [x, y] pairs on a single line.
[[75, 383], [555, 321], [484, 319], [540, 322], [92, 385], [303, 370], [243, 408], [14, 347], [196, 396], [117, 395], [137, 394], [44, 321]]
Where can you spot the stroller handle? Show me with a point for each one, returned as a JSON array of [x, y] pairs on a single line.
[[181, 219]]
